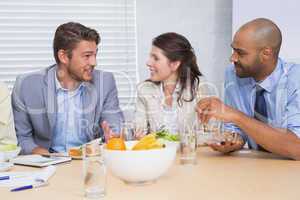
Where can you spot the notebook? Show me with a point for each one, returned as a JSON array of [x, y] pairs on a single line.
[[39, 161]]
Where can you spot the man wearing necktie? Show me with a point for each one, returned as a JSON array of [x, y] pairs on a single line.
[[262, 94]]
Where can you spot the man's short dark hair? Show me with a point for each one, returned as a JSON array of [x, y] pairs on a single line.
[[68, 35]]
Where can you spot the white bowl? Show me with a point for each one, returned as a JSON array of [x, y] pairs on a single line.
[[174, 144], [141, 166], [7, 155]]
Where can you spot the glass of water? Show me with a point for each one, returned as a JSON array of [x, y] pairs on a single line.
[[94, 171], [188, 146]]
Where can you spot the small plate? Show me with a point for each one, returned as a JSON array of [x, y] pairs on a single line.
[[5, 166], [76, 157], [90, 144], [73, 156]]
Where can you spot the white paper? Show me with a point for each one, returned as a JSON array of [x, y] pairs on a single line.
[[27, 178], [46, 173]]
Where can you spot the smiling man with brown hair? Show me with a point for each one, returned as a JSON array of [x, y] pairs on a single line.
[[62, 106]]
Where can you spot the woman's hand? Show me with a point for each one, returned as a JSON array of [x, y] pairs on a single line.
[[139, 133]]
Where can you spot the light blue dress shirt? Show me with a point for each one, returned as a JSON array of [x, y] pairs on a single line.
[[282, 97], [68, 131]]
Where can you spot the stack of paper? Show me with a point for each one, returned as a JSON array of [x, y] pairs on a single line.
[[17, 179]]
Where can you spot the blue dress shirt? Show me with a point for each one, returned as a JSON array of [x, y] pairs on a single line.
[[69, 126], [282, 97]]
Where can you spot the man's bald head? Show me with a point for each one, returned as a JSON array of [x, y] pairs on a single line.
[[264, 33]]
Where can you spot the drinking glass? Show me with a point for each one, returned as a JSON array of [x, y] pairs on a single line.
[[94, 171], [218, 132], [213, 130], [188, 146]]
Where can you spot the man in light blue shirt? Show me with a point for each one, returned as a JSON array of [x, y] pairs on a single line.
[[262, 94]]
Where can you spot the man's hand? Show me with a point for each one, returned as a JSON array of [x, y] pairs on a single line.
[[230, 143], [40, 151], [108, 133], [213, 107]]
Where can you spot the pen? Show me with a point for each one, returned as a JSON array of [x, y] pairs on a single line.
[[4, 178], [26, 187], [55, 155]]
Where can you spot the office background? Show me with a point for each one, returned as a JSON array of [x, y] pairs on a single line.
[[127, 28]]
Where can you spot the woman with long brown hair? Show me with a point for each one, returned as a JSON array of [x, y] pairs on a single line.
[[169, 97]]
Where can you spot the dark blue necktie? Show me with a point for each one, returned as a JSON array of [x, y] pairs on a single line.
[[260, 109]]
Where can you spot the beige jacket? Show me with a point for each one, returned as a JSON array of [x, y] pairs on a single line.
[[7, 129], [149, 107]]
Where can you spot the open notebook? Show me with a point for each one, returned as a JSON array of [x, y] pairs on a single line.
[[39, 161]]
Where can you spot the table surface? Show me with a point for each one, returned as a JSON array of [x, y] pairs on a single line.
[[241, 175]]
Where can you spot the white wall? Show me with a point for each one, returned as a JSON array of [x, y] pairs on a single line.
[[206, 23], [284, 13]]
